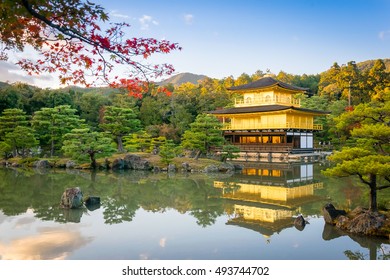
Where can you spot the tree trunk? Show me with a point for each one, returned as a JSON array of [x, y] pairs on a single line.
[[373, 254], [373, 200], [197, 154], [120, 143], [93, 160], [52, 148]]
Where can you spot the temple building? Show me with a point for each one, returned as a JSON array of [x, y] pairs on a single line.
[[267, 118]]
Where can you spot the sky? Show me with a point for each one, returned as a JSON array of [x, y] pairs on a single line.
[[231, 37]]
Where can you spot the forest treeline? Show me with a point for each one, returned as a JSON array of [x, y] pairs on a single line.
[[45, 116]]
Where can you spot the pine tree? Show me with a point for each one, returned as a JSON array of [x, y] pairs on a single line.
[[120, 122], [10, 119], [53, 123], [204, 133], [82, 144]]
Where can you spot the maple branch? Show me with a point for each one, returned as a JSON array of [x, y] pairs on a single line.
[[72, 33]]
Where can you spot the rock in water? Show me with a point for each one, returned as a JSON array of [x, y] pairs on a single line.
[[72, 198], [299, 223], [92, 203], [330, 213]]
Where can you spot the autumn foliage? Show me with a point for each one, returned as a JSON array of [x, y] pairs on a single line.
[[69, 38]]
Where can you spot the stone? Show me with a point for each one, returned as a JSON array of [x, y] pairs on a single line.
[[212, 168], [92, 203], [118, 164], [185, 166], [70, 164], [226, 167], [92, 200], [330, 213], [72, 198], [238, 167], [171, 167], [136, 162], [360, 222], [366, 222], [41, 164], [299, 223], [156, 169]]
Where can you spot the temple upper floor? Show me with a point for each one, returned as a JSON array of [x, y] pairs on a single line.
[[266, 98], [267, 91]]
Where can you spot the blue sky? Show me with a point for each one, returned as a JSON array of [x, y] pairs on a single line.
[[222, 38], [231, 37]]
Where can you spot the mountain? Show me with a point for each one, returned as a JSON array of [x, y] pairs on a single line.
[[367, 65], [3, 84], [182, 78]]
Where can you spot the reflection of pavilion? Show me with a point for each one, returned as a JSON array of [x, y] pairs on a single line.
[[266, 196]]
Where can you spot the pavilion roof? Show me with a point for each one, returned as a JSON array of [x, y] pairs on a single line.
[[267, 82], [263, 109]]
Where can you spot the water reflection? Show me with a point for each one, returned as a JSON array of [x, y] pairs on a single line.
[[35, 241], [266, 197], [198, 211], [374, 245]]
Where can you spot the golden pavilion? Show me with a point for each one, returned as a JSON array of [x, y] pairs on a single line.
[[268, 118]]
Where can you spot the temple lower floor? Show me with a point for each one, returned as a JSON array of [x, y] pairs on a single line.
[[271, 141]]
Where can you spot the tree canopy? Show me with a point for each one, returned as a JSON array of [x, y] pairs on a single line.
[[74, 39], [120, 122], [82, 144], [204, 133], [53, 123], [368, 153]]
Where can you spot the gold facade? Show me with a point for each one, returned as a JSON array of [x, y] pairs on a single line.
[[276, 120]]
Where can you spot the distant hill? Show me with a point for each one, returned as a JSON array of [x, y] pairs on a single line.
[[366, 65], [183, 78], [100, 90], [2, 84]]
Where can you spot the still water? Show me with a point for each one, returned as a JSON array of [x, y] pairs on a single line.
[[247, 215]]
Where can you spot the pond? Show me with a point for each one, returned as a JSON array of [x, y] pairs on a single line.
[[247, 215]]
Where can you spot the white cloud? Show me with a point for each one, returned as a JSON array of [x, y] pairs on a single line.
[[384, 34], [116, 14], [146, 21], [188, 18], [11, 73], [8, 73]]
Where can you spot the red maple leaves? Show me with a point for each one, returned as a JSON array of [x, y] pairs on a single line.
[[69, 41]]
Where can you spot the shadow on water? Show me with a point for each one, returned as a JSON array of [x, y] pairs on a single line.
[[373, 244]]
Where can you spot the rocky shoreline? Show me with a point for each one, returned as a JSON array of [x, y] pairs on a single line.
[[360, 221], [129, 162]]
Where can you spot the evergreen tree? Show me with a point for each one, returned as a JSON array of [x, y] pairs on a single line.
[[52, 124], [168, 151], [368, 155], [119, 122], [82, 144], [89, 107], [10, 119], [21, 139], [204, 133], [5, 150], [378, 79], [139, 141], [230, 152]]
